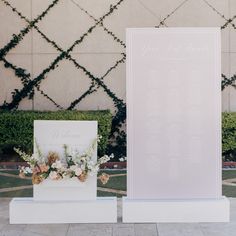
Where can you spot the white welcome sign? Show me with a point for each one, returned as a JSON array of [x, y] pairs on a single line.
[[174, 125], [51, 135], [64, 201]]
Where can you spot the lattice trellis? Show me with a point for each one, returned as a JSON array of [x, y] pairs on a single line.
[[31, 84]]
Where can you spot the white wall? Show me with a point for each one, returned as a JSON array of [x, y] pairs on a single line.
[[66, 22]]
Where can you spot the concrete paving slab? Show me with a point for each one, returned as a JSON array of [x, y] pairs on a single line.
[[27, 233], [179, 229], [90, 230], [121, 229], [219, 229], [145, 229], [118, 229], [48, 230], [12, 230]]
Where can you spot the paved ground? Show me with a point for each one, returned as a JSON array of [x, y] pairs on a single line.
[[119, 229], [229, 182]]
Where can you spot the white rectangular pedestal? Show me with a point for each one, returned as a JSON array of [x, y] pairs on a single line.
[[66, 190], [28, 211], [194, 210]]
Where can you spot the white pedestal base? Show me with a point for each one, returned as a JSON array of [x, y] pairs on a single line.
[[202, 210], [66, 190], [28, 211]]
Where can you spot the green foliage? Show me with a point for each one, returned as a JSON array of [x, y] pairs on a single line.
[[229, 136], [16, 127]]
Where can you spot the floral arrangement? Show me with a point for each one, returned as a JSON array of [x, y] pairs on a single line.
[[73, 165]]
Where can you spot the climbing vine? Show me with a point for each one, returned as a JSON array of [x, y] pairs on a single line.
[[228, 81], [17, 38], [30, 85]]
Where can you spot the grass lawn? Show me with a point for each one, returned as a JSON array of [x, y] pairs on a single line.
[[229, 191], [105, 194], [13, 172], [118, 182], [110, 172], [228, 174], [7, 182], [18, 193]]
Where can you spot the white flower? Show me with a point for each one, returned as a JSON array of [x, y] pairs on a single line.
[[95, 168], [76, 157], [99, 138], [53, 175], [91, 173], [78, 172], [57, 165], [27, 170], [121, 159], [35, 157], [112, 156], [76, 169], [82, 167], [104, 159], [90, 164], [65, 176], [73, 167]]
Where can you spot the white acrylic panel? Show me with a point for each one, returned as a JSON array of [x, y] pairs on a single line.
[[51, 135], [174, 113]]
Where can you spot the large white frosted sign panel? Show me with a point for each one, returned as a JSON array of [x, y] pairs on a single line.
[[174, 110]]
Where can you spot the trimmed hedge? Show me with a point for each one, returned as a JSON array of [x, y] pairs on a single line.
[[229, 136], [16, 127]]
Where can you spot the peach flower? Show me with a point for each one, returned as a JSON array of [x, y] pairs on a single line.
[[43, 168], [36, 170], [22, 175], [104, 178], [83, 176], [37, 179]]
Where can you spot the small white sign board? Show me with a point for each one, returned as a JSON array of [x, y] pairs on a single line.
[[51, 135], [174, 116], [64, 201]]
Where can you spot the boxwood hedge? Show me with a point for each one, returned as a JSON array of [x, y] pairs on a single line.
[[16, 127], [229, 136]]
